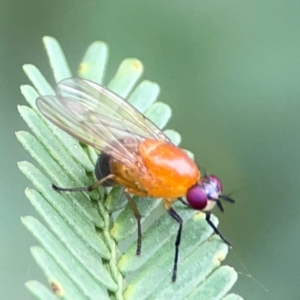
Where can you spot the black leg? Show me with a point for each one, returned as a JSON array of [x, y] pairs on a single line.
[[84, 188], [138, 219], [183, 202], [212, 225], [178, 219]]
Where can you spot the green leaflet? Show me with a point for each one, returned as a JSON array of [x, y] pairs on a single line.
[[78, 250]]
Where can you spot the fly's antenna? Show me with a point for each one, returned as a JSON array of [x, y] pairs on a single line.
[[226, 198]]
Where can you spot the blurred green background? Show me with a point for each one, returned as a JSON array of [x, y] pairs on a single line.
[[231, 72]]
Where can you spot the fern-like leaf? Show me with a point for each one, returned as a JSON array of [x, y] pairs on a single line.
[[79, 243]]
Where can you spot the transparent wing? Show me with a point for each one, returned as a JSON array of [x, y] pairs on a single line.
[[98, 117]]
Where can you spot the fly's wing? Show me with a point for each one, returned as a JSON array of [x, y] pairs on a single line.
[[98, 117]]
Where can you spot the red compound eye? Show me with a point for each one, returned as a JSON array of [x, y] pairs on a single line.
[[196, 197]]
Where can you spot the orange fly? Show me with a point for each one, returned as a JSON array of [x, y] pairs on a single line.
[[135, 153]]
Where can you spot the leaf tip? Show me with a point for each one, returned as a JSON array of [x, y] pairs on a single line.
[[57, 288], [21, 108], [46, 37], [135, 64], [221, 255], [22, 87], [25, 220], [22, 164], [25, 67]]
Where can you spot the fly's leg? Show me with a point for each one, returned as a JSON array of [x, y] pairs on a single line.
[[178, 219], [85, 188], [183, 202], [138, 219], [212, 225]]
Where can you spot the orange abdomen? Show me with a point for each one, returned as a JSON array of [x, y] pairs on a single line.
[[170, 168]]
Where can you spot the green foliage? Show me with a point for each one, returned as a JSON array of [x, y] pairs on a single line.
[[79, 252]]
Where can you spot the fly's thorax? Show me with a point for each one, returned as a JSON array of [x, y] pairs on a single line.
[[172, 169]]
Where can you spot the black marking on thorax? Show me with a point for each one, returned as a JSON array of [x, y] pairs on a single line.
[[102, 168]]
